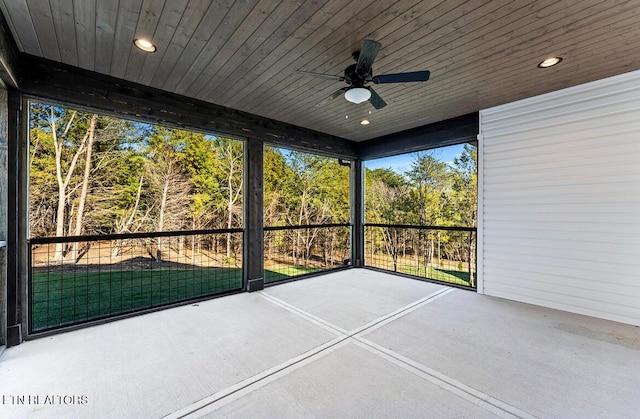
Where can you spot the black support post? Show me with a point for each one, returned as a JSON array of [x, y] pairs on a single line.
[[16, 214], [357, 213], [253, 216]]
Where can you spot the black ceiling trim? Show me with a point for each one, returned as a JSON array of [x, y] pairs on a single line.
[[51, 80], [452, 131]]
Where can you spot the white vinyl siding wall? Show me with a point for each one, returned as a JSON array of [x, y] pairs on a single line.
[[560, 200]]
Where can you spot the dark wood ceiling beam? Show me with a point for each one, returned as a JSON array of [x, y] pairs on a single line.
[[440, 134], [8, 57], [62, 83]]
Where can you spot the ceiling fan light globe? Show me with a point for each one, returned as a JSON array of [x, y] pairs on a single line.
[[357, 95]]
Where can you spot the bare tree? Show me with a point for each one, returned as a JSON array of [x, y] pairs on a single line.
[[63, 179], [85, 182], [169, 184], [230, 163]]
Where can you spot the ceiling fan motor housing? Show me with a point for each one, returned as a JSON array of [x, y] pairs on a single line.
[[355, 79]]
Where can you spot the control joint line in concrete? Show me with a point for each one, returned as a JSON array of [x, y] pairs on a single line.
[[223, 397], [304, 314], [456, 387], [219, 399], [388, 318]]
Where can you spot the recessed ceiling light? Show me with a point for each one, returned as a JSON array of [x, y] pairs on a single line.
[[365, 122], [144, 45], [549, 62]]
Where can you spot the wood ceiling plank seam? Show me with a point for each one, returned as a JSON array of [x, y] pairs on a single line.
[[148, 20], [304, 84], [201, 66], [403, 67], [255, 88], [601, 69], [594, 15], [442, 36], [41, 16], [465, 59], [295, 105], [21, 25], [128, 12], [281, 38], [472, 41], [241, 32], [85, 27], [189, 22], [606, 26], [206, 28], [164, 33], [493, 39], [352, 128], [65, 26], [556, 81], [412, 87], [576, 78], [410, 100], [262, 60], [106, 19], [339, 60], [285, 83], [259, 36], [499, 96]]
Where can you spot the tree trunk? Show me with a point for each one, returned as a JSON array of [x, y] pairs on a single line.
[[63, 180], [439, 255], [85, 184], [125, 224], [161, 216], [229, 224], [62, 202]]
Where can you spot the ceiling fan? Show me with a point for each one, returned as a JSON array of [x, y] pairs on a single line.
[[359, 74]]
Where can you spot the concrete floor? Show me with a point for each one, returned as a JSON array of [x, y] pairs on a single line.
[[357, 343]]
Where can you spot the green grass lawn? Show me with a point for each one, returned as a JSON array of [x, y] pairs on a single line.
[[60, 298], [444, 275], [63, 298], [283, 272]]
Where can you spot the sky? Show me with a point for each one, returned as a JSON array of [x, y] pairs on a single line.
[[402, 163]]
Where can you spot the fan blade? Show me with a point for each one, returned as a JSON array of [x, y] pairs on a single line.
[[376, 100], [331, 97], [321, 75], [402, 77], [367, 55]]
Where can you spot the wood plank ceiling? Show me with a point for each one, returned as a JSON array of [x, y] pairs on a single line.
[[244, 54]]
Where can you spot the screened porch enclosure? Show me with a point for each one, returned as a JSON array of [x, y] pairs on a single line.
[[137, 221]]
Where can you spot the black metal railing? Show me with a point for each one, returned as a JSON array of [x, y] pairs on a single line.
[[86, 278], [436, 253], [293, 251]]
